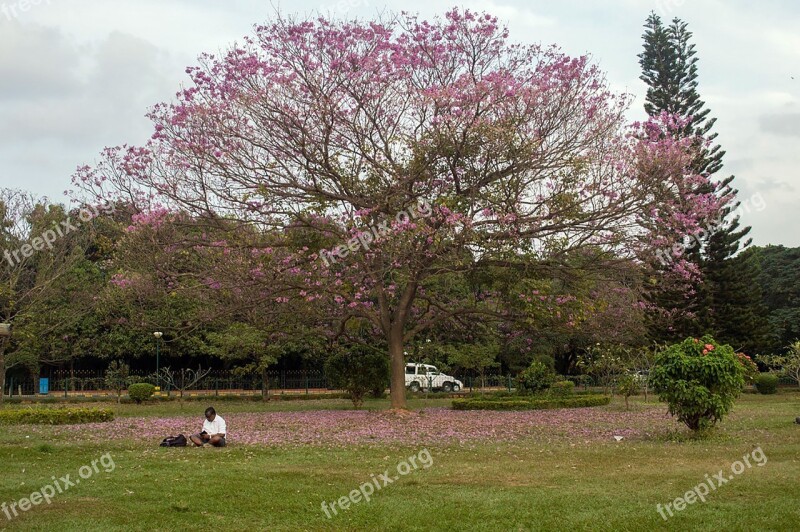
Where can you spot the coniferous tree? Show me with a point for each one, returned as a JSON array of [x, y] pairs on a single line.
[[726, 303]]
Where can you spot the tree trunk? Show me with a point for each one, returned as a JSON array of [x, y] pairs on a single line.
[[2, 370], [398, 366]]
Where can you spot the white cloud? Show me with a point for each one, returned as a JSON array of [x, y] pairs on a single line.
[[76, 76]]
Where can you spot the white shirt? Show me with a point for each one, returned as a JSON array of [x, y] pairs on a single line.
[[215, 427]]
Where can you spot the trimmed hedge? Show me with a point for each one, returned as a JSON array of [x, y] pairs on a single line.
[[521, 403], [141, 391], [767, 383], [561, 389], [55, 416]]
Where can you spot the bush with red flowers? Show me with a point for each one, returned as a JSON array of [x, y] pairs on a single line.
[[750, 367], [699, 380]]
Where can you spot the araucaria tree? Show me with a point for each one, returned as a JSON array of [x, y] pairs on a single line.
[[726, 302], [389, 160]]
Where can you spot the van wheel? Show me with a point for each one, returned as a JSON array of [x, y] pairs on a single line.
[[456, 388], [414, 387], [447, 387]]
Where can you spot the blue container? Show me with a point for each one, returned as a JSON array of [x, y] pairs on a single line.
[[44, 386]]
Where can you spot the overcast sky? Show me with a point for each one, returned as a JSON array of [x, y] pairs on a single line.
[[78, 75]]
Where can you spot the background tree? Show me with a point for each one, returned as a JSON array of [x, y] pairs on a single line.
[[38, 251], [605, 363], [358, 370], [183, 379], [476, 358], [779, 279], [118, 377], [787, 365]]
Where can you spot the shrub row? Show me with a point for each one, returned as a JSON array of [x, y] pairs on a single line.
[[523, 403], [558, 393], [250, 397], [55, 416]]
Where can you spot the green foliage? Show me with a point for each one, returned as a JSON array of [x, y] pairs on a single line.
[[728, 301], [787, 365], [547, 360], [240, 341], [55, 416], [780, 288], [536, 378], [561, 389], [627, 385], [767, 383], [118, 377], [472, 357], [750, 368], [141, 391], [699, 380], [358, 370], [523, 403], [604, 363]]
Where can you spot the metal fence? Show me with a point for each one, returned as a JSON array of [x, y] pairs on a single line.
[[94, 381], [90, 382]]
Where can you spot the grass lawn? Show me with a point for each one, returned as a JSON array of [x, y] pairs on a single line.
[[550, 470]]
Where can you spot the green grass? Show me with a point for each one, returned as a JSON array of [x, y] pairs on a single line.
[[521, 485]]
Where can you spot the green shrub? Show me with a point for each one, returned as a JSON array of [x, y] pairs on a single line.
[[528, 403], [750, 368], [536, 378], [627, 385], [358, 370], [547, 360], [562, 389], [55, 416], [699, 380], [118, 377], [141, 391], [767, 383]]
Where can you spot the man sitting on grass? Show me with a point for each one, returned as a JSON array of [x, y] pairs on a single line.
[[213, 430]]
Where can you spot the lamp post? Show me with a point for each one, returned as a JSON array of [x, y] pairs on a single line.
[[158, 335]]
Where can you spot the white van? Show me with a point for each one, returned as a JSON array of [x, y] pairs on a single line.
[[422, 376]]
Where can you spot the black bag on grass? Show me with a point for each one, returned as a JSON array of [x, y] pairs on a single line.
[[174, 441]]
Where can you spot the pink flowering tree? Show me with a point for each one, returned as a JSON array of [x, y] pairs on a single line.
[[391, 160]]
